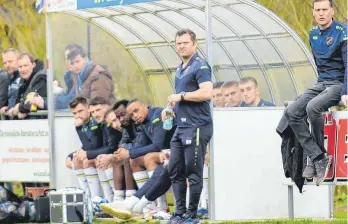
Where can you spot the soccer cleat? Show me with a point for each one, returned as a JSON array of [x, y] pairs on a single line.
[[309, 171], [322, 168], [162, 215], [116, 210], [203, 213]]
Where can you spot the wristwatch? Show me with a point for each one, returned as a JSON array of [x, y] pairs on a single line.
[[182, 94]]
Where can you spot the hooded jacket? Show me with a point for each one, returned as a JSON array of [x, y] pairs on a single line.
[[97, 82], [36, 83]]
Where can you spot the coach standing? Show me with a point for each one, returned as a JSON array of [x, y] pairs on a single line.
[[194, 90]]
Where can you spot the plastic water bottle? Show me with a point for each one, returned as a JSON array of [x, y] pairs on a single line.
[[168, 122]]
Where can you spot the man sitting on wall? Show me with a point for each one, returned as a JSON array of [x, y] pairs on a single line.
[[329, 46]]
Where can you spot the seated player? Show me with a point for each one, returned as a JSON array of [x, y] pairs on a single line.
[[155, 187], [251, 93], [149, 117], [232, 94], [111, 137], [218, 98], [132, 136], [91, 137]]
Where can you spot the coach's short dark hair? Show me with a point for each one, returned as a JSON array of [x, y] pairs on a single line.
[[119, 103], [75, 51], [229, 84], [76, 101], [248, 79], [330, 1], [186, 31], [23, 55], [98, 101]]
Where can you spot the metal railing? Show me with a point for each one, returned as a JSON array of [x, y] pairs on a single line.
[[31, 114]]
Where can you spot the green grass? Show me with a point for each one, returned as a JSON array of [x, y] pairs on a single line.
[[299, 221]]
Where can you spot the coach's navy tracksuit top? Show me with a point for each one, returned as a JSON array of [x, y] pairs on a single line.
[[329, 49]]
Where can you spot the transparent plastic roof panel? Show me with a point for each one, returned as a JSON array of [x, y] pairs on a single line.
[[171, 4], [227, 1], [265, 51], [219, 29], [141, 28], [104, 11], [240, 25], [166, 28], [219, 55], [146, 58], [183, 22], [83, 14], [126, 9], [125, 36], [263, 21], [240, 53], [168, 55], [148, 7], [290, 49], [196, 3]]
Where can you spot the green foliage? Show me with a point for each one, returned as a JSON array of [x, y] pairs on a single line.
[[22, 28], [298, 13]]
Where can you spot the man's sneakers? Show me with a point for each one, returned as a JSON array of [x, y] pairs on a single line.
[[116, 209], [187, 218], [203, 213], [309, 171], [161, 215], [176, 219], [190, 218], [322, 167]]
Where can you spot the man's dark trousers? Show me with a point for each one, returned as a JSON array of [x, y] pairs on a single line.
[[188, 147], [311, 104]]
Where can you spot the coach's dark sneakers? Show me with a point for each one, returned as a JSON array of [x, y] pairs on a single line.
[[191, 218], [322, 168], [309, 170], [176, 219]]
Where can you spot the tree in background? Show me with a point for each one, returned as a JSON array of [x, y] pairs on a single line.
[[22, 28], [298, 13]]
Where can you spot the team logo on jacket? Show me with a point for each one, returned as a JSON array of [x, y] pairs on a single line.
[[329, 40]]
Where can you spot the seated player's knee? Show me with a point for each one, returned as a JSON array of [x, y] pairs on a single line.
[[88, 163], [151, 160], [206, 158], [68, 163], [137, 164]]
